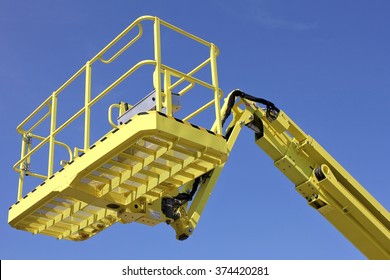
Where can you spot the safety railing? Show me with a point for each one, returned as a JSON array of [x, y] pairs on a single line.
[[161, 79]]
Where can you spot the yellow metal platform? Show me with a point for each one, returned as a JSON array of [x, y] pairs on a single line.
[[150, 156], [124, 176]]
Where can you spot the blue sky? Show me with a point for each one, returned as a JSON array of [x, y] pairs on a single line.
[[325, 63]]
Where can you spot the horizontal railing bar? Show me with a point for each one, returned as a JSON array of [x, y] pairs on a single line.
[[180, 74], [125, 47], [19, 128], [192, 72], [120, 79], [57, 143], [120, 36], [76, 115], [28, 173], [186, 89], [40, 107], [201, 109], [71, 79], [38, 122], [183, 32], [71, 119]]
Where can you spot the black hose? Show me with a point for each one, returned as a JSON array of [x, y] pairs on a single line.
[[185, 197], [272, 110]]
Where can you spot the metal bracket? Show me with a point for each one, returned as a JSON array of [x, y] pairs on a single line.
[[146, 104], [27, 139], [26, 166]]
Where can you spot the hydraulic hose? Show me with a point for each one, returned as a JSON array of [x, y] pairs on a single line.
[[272, 110]]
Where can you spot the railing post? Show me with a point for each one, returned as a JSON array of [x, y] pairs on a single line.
[[21, 172], [214, 76], [157, 58], [53, 121], [20, 185], [167, 92], [87, 108]]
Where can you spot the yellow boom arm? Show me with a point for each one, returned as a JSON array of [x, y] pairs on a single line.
[[317, 176]]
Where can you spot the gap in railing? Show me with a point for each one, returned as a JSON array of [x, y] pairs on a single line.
[[198, 97], [182, 53], [70, 100]]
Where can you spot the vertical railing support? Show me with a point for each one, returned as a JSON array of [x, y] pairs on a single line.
[[157, 58], [21, 172], [214, 76], [87, 108], [167, 92], [53, 124]]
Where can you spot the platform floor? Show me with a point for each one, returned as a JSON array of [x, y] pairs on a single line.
[[150, 156]]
